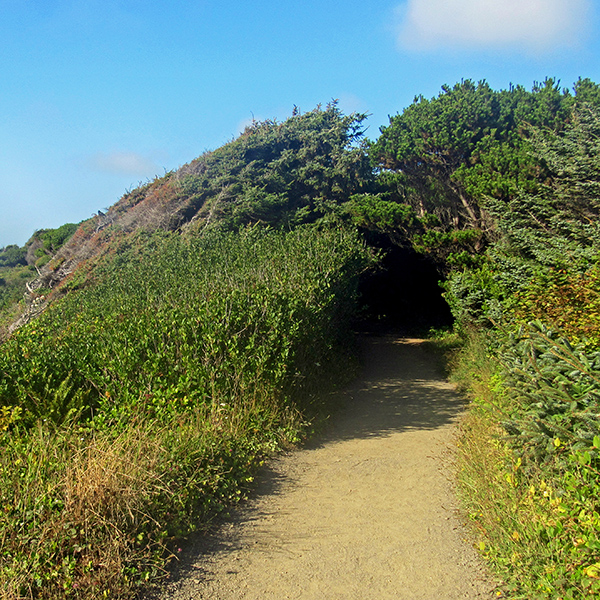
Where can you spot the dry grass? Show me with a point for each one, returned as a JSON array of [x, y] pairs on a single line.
[[90, 515]]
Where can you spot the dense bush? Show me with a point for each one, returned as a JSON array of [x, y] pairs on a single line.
[[161, 326], [53, 239], [556, 388], [12, 256], [157, 391], [528, 458]]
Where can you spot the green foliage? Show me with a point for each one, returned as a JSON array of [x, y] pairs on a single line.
[[440, 132], [53, 239], [277, 173], [475, 295], [139, 407], [573, 159], [431, 140], [541, 235], [454, 153], [587, 91], [556, 388], [12, 256], [374, 213], [452, 244], [160, 331], [532, 491], [42, 261]]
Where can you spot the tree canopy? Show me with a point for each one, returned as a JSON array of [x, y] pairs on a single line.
[[450, 157], [279, 172]]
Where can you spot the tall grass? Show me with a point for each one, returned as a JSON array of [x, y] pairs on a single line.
[[91, 514], [137, 408]]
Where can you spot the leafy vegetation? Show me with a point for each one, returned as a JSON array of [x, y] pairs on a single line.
[[445, 156], [189, 328], [166, 317], [166, 383], [529, 450], [12, 256], [527, 468]]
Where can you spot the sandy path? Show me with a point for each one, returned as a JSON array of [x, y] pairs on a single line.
[[366, 512]]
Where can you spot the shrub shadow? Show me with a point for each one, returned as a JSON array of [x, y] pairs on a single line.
[[400, 388]]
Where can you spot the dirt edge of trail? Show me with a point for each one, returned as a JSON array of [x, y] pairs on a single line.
[[366, 511]]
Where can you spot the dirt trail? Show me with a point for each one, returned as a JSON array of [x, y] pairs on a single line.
[[366, 512]]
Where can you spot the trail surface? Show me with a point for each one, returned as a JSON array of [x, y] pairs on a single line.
[[366, 512]]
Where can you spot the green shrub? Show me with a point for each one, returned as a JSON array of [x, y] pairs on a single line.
[[528, 462], [12, 256], [135, 409], [186, 319], [556, 392]]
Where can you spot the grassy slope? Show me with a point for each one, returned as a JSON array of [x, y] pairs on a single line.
[[139, 407]]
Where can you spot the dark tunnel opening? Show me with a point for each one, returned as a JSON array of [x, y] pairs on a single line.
[[404, 294]]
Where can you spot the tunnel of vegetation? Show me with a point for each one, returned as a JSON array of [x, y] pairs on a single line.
[[403, 294], [165, 347]]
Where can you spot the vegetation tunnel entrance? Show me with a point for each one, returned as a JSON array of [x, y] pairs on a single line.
[[404, 294]]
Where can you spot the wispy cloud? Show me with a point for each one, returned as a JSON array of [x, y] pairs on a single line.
[[533, 25], [124, 163], [350, 103]]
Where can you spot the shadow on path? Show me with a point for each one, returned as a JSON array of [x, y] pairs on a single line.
[[400, 389]]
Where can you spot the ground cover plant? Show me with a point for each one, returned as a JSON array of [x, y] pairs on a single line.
[[134, 408]]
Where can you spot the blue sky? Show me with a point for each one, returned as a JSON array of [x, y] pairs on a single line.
[[97, 96]]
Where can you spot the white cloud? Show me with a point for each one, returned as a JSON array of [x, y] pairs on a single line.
[[124, 163], [535, 25]]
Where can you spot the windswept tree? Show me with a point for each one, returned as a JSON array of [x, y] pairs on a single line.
[[431, 140], [448, 156], [543, 261], [279, 173], [558, 227]]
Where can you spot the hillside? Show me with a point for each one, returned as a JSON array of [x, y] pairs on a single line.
[[276, 174], [165, 347]]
